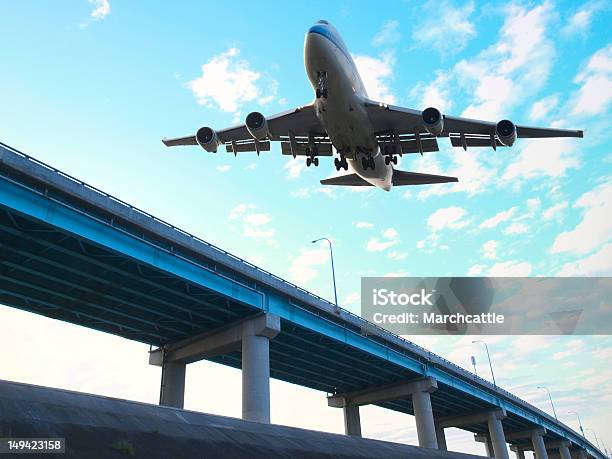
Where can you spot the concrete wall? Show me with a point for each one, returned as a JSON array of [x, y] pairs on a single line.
[[103, 427]]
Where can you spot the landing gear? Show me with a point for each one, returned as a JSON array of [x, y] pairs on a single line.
[[341, 163], [312, 160], [321, 90], [367, 162], [390, 159]]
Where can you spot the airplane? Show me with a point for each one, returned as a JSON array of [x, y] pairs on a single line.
[[367, 135]]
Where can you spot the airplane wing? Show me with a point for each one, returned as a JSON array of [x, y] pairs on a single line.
[[295, 129], [398, 122]]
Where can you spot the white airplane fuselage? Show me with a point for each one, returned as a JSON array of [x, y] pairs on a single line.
[[342, 113]]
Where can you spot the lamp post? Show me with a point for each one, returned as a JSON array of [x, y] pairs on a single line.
[[488, 357], [331, 253], [551, 400], [579, 421], [596, 439]]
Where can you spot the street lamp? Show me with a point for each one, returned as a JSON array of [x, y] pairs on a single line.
[[579, 421], [551, 401], [331, 253], [596, 439], [473, 360], [489, 357]]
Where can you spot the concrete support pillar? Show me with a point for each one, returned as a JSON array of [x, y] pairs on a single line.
[[488, 447], [498, 440], [441, 438], [352, 422], [256, 378], [520, 454], [564, 452], [252, 335], [172, 390], [426, 429], [538, 445]]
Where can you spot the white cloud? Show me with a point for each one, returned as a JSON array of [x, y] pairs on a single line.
[[390, 233], [388, 35], [228, 82], [376, 74], [444, 27], [223, 168], [595, 93], [101, 10], [250, 167], [597, 264], [476, 270], [420, 244], [516, 228], [390, 237], [596, 226], [397, 256], [475, 176], [543, 107], [294, 167], [554, 210], [254, 225], [303, 267], [580, 21], [489, 249], [449, 217], [572, 348], [510, 269], [542, 158], [352, 298], [363, 224], [513, 68], [436, 93], [498, 218]]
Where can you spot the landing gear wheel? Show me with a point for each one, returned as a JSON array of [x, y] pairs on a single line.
[[315, 161], [394, 160], [324, 93], [344, 164], [338, 164], [388, 159], [318, 92], [308, 161], [365, 163]]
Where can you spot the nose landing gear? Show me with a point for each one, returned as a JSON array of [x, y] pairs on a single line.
[[321, 90], [390, 159]]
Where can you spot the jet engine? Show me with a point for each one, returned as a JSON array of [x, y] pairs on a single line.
[[433, 121], [506, 132], [207, 139], [257, 125]]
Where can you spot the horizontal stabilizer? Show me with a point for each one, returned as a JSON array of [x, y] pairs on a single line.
[[346, 180], [414, 178], [400, 178]]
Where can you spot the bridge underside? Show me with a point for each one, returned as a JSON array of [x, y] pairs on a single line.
[[61, 276]]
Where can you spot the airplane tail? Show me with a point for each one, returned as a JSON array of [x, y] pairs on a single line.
[[400, 178]]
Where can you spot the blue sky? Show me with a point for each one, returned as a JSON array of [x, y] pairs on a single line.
[[92, 87]]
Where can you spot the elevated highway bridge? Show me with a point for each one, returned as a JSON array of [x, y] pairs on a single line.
[[74, 253]]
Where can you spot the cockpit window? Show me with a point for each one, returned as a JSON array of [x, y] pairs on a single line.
[[323, 21]]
